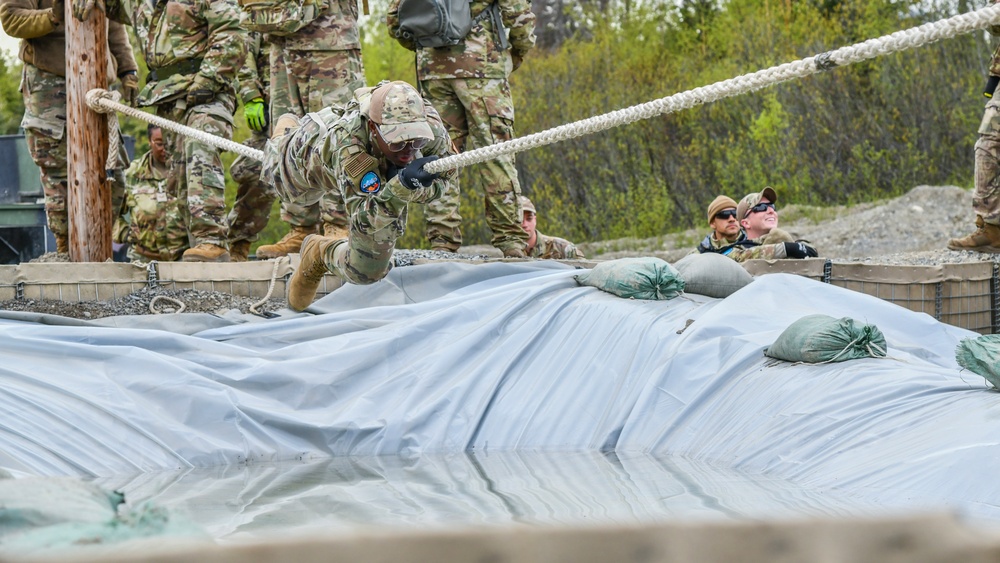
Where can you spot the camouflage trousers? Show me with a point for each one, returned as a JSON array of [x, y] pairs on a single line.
[[478, 113], [197, 177], [308, 81], [986, 198], [44, 124], [254, 198]]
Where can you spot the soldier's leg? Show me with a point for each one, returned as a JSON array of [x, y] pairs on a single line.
[[205, 178], [252, 206], [442, 220], [489, 112], [986, 198], [44, 123]]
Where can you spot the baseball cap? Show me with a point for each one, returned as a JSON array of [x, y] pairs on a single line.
[[398, 110], [751, 200], [718, 204], [526, 205]]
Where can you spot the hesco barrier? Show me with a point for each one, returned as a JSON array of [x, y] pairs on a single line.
[[963, 295]]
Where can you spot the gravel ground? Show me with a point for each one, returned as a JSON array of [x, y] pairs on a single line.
[[910, 230]]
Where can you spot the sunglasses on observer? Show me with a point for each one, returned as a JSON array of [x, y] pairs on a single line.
[[726, 214], [398, 146], [760, 207]]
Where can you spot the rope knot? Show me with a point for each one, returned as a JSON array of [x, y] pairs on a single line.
[[95, 96]]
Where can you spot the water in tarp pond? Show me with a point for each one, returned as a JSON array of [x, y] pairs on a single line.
[[460, 490]]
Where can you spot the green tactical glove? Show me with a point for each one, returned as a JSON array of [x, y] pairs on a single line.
[[130, 87], [256, 114], [202, 91]]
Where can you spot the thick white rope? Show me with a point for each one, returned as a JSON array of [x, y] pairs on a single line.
[[102, 101], [898, 41], [887, 44]]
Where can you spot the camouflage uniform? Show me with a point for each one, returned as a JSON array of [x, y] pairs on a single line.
[[553, 248], [330, 151], [742, 249], [188, 44], [317, 67], [468, 84], [986, 199], [155, 225], [252, 207], [43, 88]]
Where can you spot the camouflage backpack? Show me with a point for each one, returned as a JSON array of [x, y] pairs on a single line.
[[280, 17], [438, 23]]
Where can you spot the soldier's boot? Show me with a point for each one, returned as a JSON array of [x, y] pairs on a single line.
[[333, 231], [514, 253], [206, 252], [62, 244], [291, 242], [441, 245], [985, 239], [239, 250], [312, 267]]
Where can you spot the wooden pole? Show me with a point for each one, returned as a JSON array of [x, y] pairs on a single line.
[[88, 201]]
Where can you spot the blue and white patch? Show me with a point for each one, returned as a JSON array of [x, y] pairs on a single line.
[[370, 183]]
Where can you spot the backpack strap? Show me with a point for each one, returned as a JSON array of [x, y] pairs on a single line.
[[493, 13]]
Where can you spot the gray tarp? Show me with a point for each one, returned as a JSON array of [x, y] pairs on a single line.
[[448, 358]]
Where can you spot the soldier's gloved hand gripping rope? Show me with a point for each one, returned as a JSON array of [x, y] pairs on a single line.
[[414, 176]]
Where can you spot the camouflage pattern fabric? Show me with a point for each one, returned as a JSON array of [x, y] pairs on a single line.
[[196, 173], [986, 198], [155, 226], [328, 152], [178, 32], [254, 198], [44, 124], [317, 67], [175, 32], [554, 248], [468, 84]]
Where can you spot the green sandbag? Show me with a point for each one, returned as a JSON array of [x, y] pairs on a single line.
[[818, 339], [980, 355], [635, 278]]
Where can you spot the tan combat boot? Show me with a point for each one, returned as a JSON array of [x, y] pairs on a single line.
[[985, 239], [239, 250], [62, 244], [333, 231], [289, 243], [305, 280], [206, 252], [514, 253]]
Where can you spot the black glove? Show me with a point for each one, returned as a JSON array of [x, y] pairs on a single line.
[[414, 177], [799, 250]]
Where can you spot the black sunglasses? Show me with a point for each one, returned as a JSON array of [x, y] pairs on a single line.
[[726, 214], [760, 207]]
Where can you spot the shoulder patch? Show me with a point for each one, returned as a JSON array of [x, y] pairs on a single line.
[[357, 164], [370, 183]]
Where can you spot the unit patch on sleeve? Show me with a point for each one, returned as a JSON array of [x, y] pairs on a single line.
[[370, 183]]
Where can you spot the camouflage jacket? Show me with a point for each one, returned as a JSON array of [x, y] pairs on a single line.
[[742, 249], [173, 32], [332, 151], [254, 76], [554, 248], [43, 44], [335, 30], [480, 55], [154, 225], [995, 60]]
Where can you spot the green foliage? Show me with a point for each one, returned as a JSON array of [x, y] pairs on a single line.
[[11, 105]]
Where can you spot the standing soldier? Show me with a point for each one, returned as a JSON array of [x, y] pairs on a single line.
[[39, 25], [314, 68], [193, 49], [986, 199], [254, 198], [467, 83]]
